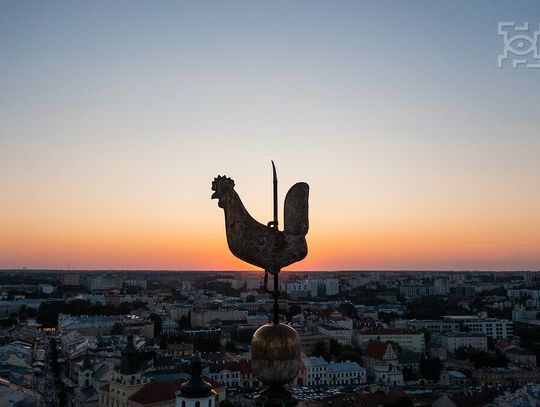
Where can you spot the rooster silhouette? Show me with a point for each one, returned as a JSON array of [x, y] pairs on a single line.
[[264, 245]]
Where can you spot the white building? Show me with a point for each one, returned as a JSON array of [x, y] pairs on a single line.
[[416, 290], [492, 327], [331, 286], [405, 338], [312, 287], [441, 286], [204, 318], [382, 364], [431, 325], [196, 392], [315, 371], [523, 314], [345, 373], [454, 340], [168, 327], [339, 333]]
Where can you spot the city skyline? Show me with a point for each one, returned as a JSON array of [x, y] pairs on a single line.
[[421, 154]]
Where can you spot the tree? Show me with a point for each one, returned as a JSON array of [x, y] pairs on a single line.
[[163, 341], [481, 358], [430, 368], [335, 347], [8, 322], [320, 350], [231, 347], [117, 329], [294, 309], [348, 309], [158, 324], [408, 374], [350, 353]]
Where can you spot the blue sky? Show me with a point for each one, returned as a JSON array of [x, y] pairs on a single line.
[[114, 114]]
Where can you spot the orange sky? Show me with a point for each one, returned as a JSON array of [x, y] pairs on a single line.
[[420, 152]]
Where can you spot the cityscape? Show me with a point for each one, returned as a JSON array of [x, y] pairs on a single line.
[[368, 337]]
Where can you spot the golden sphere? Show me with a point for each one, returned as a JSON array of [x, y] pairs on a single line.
[[275, 353]]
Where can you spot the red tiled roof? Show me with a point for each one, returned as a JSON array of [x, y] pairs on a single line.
[[380, 399], [376, 349], [152, 393], [473, 399], [180, 346], [245, 367]]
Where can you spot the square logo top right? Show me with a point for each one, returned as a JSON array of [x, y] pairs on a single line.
[[521, 46]]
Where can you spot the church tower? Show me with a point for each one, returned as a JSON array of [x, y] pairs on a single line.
[[126, 380], [196, 392], [86, 372]]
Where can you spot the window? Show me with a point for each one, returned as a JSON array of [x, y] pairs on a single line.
[[197, 404], [183, 403]]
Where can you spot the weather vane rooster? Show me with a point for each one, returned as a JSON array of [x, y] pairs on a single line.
[[262, 245]]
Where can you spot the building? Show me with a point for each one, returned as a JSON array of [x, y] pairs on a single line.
[[342, 373], [454, 340], [102, 282], [179, 350], [382, 364], [136, 282], [522, 314], [196, 392], [204, 318], [90, 377], [331, 286], [431, 325], [125, 381], [128, 387], [491, 376], [492, 327], [406, 338], [340, 334], [318, 372], [70, 279], [309, 341], [168, 326], [466, 398], [96, 325], [398, 309], [312, 287], [521, 356], [441, 286], [315, 371], [516, 294], [412, 291], [223, 367]]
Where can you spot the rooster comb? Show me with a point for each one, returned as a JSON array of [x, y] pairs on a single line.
[[224, 181]]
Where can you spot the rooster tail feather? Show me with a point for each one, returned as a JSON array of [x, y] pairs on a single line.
[[296, 210]]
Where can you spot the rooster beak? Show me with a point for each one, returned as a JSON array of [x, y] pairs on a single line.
[[214, 196]]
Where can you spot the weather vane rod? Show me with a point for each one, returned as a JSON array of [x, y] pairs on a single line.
[[275, 196]]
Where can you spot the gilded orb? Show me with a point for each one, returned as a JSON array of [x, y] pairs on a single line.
[[275, 353]]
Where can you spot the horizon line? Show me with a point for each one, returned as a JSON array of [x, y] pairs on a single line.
[[25, 269]]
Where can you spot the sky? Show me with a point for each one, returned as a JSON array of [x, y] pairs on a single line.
[[116, 116]]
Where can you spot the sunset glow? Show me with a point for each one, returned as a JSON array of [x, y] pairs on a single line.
[[420, 153]]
